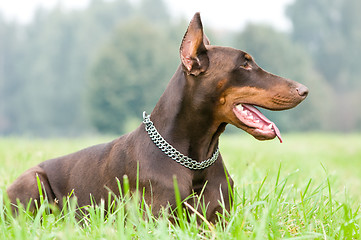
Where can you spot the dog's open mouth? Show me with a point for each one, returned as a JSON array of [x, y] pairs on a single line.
[[259, 126]]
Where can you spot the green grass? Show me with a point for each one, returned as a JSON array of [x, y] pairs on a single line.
[[305, 188]]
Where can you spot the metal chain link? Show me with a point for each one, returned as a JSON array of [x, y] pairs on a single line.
[[173, 153]]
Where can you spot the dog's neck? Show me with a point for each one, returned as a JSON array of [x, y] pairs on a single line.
[[188, 126]]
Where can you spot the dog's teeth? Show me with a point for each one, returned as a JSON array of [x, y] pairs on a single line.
[[257, 121], [244, 112], [270, 126], [251, 117], [240, 107]]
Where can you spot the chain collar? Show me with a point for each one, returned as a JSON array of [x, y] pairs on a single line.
[[173, 153]]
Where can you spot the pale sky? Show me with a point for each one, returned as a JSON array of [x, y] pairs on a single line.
[[226, 14]]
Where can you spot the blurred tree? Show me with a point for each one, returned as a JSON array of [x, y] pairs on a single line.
[[45, 64], [275, 52], [155, 11], [129, 74], [11, 59], [330, 30], [112, 60]]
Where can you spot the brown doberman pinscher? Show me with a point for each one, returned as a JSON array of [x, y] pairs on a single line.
[[213, 86]]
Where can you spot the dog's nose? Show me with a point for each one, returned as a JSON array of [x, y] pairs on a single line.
[[302, 91]]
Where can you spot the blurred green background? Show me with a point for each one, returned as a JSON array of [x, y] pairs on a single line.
[[95, 69]]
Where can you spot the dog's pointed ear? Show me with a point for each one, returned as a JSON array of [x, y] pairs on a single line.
[[206, 40], [193, 52]]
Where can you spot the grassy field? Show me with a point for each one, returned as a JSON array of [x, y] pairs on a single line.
[[305, 188]]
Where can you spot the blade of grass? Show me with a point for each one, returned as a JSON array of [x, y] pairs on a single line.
[[178, 203]]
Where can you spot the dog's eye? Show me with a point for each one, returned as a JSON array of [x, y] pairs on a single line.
[[246, 65]]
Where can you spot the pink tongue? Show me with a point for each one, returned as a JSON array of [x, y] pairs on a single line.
[[261, 116]]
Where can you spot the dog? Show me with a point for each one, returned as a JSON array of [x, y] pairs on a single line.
[[213, 86]]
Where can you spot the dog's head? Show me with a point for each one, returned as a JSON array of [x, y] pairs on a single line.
[[232, 84]]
